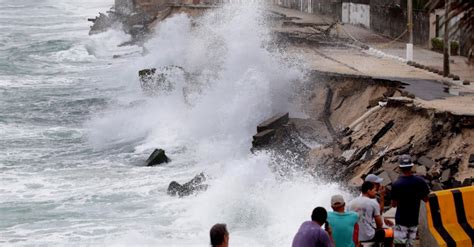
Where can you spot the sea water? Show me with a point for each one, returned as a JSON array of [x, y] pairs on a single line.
[[76, 128]]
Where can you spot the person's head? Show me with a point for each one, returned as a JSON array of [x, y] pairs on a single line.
[[405, 163], [219, 235], [319, 215], [376, 180], [368, 189], [337, 203]]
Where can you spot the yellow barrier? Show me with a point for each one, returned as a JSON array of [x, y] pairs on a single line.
[[450, 217]]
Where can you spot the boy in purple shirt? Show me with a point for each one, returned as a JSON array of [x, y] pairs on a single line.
[[311, 234]]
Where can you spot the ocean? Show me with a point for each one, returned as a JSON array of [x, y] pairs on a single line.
[[76, 129]]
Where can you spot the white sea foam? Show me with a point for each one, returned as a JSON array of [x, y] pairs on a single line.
[[59, 190]]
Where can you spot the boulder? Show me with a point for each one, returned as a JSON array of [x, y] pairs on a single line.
[[471, 159], [425, 161], [157, 157], [466, 83], [194, 185]]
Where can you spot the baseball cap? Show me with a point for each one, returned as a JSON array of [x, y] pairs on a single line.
[[337, 201], [373, 178], [405, 161]]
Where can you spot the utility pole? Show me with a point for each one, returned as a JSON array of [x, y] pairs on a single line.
[[410, 30], [446, 44]]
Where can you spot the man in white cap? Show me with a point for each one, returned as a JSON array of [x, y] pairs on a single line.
[[376, 180], [407, 193], [344, 224]]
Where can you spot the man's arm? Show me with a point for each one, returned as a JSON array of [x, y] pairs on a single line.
[[378, 221], [382, 198], [355, 236]]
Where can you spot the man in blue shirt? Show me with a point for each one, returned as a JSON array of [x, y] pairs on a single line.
[[310, 233], [407, 193], [342, 223]]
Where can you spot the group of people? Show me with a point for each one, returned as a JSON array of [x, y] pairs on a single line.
[[361, 219]]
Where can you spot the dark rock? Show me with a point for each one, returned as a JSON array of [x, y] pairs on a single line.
[[274, 122], [471, 158], [263, 138], [440, 72], [425, 161], [365, 47], [453, 163], [466, 82], [346, 143], [467, 182], [194, 185], [410, 63], [451, 76], [455, 183], [157, 157], [456, 78]]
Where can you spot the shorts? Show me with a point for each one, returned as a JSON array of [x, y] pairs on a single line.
[[405, 235]]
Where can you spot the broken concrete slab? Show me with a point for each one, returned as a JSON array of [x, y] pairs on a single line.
[[274, 122], [425, 161], [386, 178], [445, 176], [421, 170], [263, 137], [348, 154], [157, 157], [382, 131]]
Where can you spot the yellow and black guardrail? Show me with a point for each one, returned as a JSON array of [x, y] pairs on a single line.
[[450, 217]]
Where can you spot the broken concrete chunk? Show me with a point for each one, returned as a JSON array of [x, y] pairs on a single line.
[[425, 161], [157, 157], [263, 138], [467, 182], [421, 170], [348, 154], [274, 122], [434, 172], [194, 185], [382, 132], [386, 178], [445, 176]]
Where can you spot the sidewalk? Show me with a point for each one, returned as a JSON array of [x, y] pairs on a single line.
[[385, 59], [458, 64]]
